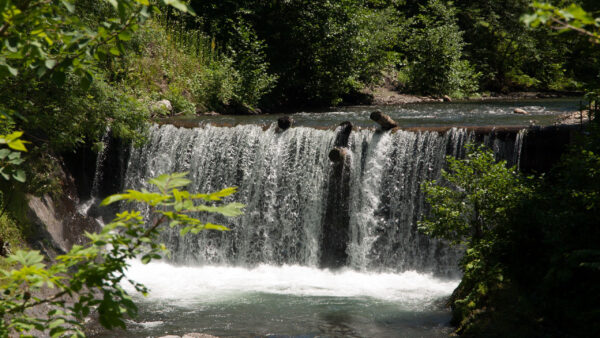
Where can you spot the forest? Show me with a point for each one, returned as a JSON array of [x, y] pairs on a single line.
[[72, 69]]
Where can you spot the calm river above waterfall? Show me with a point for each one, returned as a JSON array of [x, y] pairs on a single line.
[[263, 277], [463, 114]]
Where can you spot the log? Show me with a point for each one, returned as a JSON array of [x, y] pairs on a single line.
[[384, 121], [343, 135], [284, 123], [338, 154]]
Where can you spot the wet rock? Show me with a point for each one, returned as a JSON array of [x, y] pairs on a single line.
[[284, 123], [198, 335], [446, 98], [57, 222], [520, 111], [338, 154], [384, 120]]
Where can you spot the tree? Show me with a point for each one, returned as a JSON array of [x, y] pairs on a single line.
[[49, 50], [435, 53], [471, 206], [474, 197]]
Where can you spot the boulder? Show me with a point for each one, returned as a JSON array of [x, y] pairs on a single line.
[[284, 123], [446, 98], [384, 120], [162, 105], [338, 154], [520, 111]]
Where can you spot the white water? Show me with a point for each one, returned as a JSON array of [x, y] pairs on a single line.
[[262, 277], [187, 285]]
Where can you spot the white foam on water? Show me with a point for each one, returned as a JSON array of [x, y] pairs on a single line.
[[181, 284]]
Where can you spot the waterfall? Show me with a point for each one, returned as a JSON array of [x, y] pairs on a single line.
[[284, 178]]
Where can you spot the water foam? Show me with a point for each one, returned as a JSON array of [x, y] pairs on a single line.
[[188, 285]]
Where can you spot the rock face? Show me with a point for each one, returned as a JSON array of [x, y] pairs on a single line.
[[56, 222], [384, 120], [520, 111]]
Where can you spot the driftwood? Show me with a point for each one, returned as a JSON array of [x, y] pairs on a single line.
[[384, 121]]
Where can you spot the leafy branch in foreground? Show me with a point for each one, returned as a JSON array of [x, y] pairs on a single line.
[[89, 277], [564, 19]]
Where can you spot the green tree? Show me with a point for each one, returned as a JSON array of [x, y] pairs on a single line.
[[434, 50], [471, 206], [320, 50], [475, 195], [50, 50]]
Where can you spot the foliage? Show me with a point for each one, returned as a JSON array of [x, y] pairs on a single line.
[[532, 263], [320, 50], [49, 58], [434, 51], [89, 277], [571, 18], [509, 55], [470, 207], [10, 160], [473, 198]]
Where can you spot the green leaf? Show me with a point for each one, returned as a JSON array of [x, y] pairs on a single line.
[[113, 198], [50, 63], [125, 35], [70, 7], [17, 145], [19, 176], [115, 51], [210, 226], [114, 3]]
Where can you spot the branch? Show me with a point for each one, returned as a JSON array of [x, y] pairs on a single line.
[[562, 25]]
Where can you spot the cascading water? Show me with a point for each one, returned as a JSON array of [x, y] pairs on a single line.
[[283, 179], [265, 276]]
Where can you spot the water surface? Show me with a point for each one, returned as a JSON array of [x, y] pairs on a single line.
[[287, 301], [471, 113]]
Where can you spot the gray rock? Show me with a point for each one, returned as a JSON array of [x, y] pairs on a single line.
[[162, 105]]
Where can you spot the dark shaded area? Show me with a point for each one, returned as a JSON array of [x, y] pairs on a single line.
[[336, 223]]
